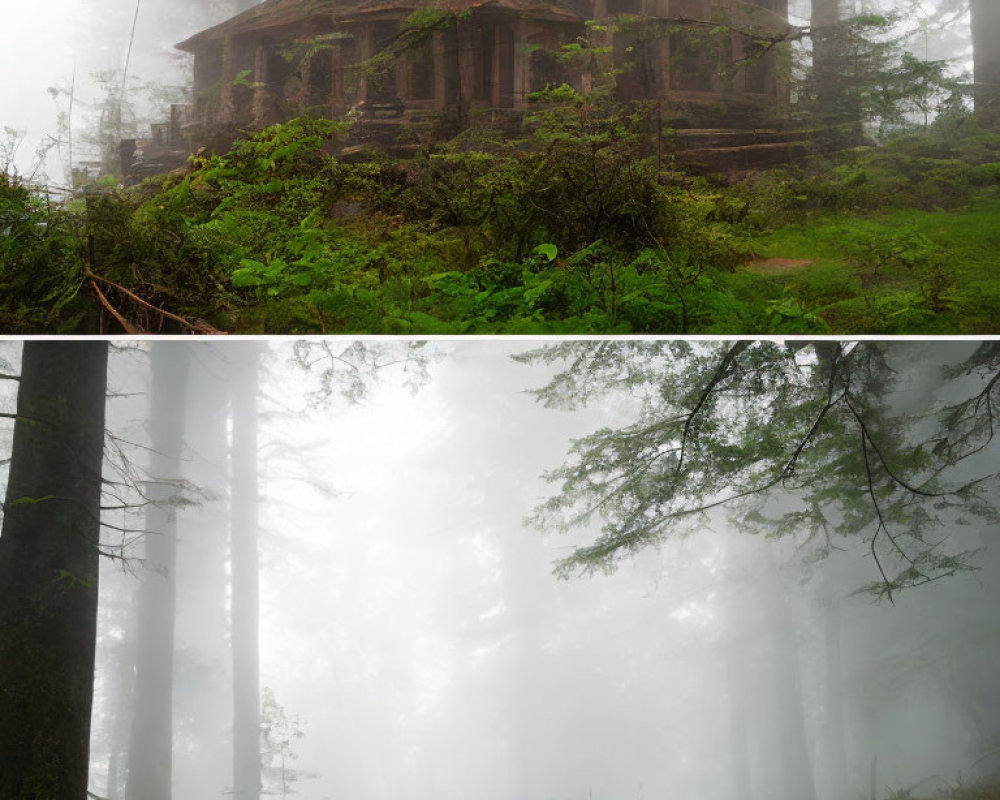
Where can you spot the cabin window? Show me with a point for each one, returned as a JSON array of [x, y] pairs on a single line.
[[382, 87], [495, 65], [687, 9], [484, 65], [546, 70], [450, 65], [277, 68], [421, 71], [756, 75], [344, 86], [505, 58], [242, 76], [692, 63], [320, 76], [624, 6], [208, 68], [636, 76]]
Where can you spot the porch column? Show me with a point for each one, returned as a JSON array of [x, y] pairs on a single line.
[[227, 108], [660, 53], [466, 68], [364, 49], [495, 67], [522, 70], [437, 51], [260, 89], [401, 73], [302, 99], [336, 78]]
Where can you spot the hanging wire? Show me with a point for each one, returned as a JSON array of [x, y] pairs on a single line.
[[131, 40]]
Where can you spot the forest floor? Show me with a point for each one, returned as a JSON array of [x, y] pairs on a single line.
[[861, 272], [574, 229]]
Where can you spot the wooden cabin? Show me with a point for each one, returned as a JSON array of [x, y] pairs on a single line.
[[285, 57]]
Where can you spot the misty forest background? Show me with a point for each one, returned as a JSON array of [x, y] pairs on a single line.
[[884, 223], [327, 570]]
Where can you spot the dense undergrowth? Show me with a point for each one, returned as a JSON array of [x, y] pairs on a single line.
[[575, 228], [986, 789]]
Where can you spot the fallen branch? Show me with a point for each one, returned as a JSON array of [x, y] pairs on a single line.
[[197, 327], [129, 328]]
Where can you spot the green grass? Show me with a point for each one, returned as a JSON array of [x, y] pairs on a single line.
[[946, 279]]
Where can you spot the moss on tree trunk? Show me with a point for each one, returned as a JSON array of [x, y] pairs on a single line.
[[48, 572]]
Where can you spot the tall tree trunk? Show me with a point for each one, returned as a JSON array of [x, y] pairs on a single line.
[[836, 114], [245, 601], [119, 701], [49, 572], [202, 653], [739, 743], [986, 46], [524, 571], [521, 586], [150, 750], [787, 673], [824, 19], [836, 740]]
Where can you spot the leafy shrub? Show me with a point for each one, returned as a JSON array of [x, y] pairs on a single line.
[[978, 307], [40, 270], [571, 228], [825, 284]]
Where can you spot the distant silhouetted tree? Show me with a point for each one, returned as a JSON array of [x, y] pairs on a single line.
[[986, 48], [823, 24], [150, 745], [244, 359]]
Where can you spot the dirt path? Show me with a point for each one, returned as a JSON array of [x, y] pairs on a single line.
[[778, 264]]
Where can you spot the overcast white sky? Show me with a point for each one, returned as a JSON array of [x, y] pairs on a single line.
[[43, 49], [24, 103]]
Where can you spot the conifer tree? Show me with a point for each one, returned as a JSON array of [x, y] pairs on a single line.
[[49, 571]]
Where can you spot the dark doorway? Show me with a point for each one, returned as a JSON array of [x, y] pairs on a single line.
[[320, 76], [382, 85]]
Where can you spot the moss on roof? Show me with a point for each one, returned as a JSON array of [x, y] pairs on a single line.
[[273, 14]]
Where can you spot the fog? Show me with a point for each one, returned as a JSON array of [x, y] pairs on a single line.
[[65, 50], [50, 56], [413, 642]]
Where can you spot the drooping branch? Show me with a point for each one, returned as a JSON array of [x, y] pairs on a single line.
[[749, 450], [720, 373]]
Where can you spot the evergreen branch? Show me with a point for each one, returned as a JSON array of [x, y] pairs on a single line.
[[888, 470], [881, 522], [720, 373], [789, 469]]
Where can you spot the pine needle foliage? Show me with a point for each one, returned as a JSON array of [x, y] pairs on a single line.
[[799, 440]]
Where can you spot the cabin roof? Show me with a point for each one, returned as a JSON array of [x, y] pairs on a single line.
[[273, 14]]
